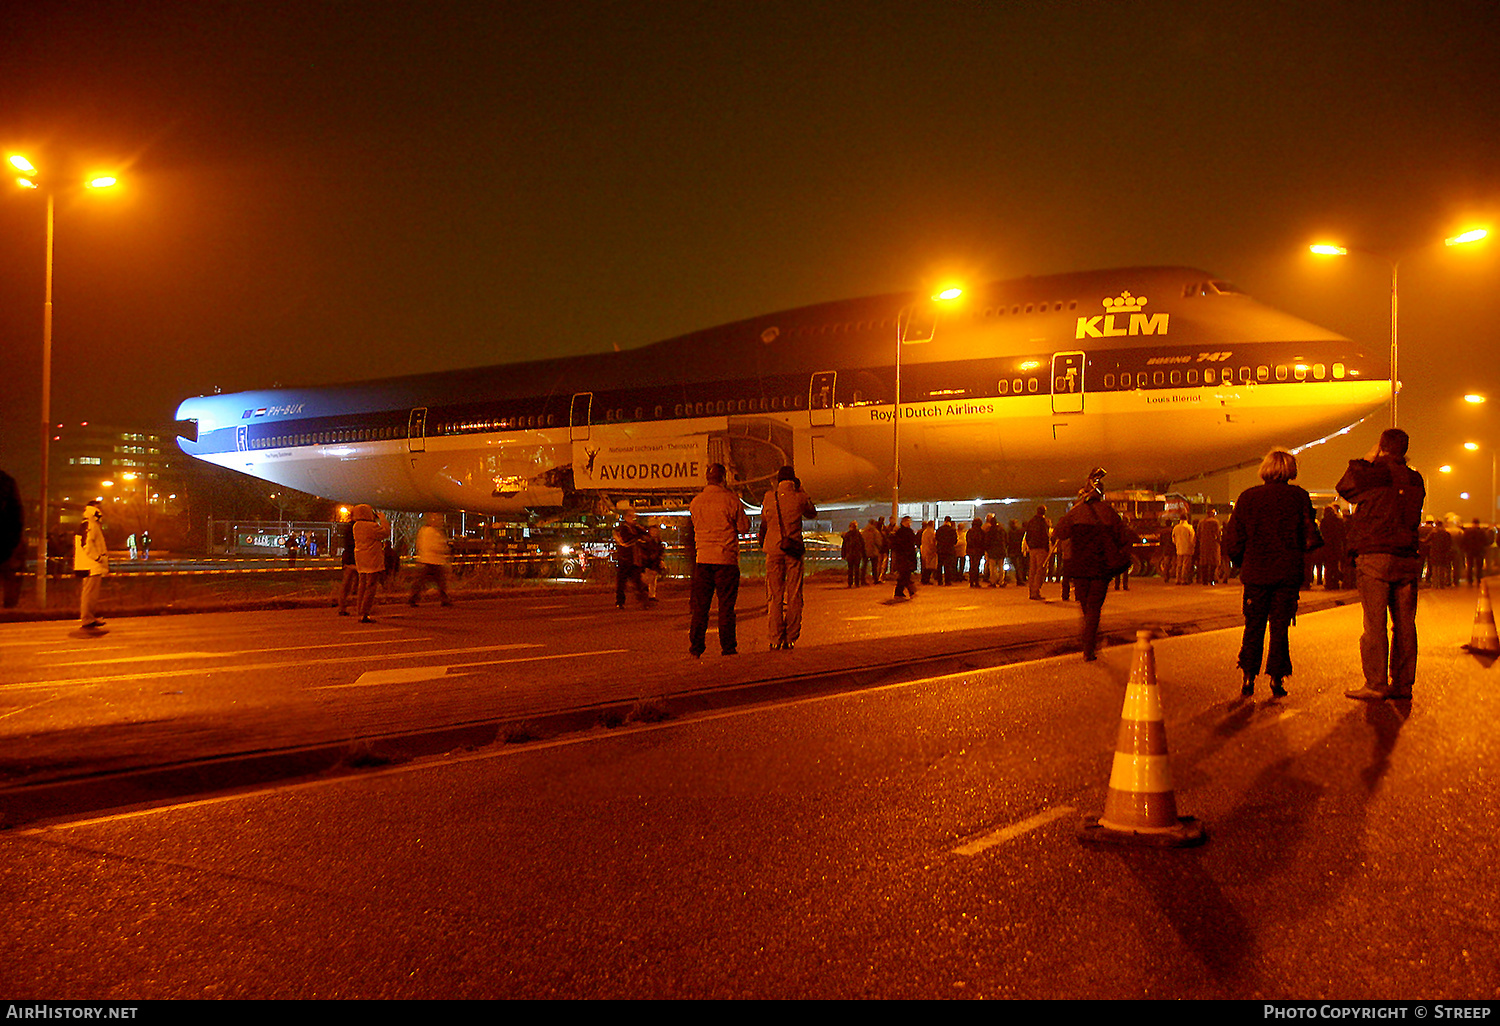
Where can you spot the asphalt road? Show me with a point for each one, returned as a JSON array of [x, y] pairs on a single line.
[[163, 691], [916, 839]]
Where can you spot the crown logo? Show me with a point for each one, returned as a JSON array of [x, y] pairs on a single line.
[[1126, 303]]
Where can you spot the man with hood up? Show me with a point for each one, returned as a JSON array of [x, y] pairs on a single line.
[[371, 531]]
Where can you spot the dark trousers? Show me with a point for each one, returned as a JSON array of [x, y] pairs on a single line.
[[1273, 606], [1090, 592], [856, 572], [904, 585], [629, 572], [710, 580], [1388, 587]]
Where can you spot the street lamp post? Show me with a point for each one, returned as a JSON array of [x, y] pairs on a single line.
[[903, 338], [1327, 249], [30, 179]]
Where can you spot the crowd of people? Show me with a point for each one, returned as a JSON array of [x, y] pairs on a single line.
[[1274, 541]]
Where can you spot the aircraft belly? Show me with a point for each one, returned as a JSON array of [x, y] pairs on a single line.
[[1019, 447]]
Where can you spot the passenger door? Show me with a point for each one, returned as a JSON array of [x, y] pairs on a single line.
[[579, 413], [1067, 382], [820, 398], [416, 430]]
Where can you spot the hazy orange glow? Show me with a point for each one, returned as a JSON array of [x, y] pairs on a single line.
[[102, 182], [20, 163], [1326, 249]]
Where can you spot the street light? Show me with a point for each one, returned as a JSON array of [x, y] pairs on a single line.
[[30, 178], [1329, 249], [905, 336]]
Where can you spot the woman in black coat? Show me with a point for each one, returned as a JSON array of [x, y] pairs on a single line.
[[1269, 534]]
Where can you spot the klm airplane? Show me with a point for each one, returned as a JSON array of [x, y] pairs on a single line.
[[1158, 374]]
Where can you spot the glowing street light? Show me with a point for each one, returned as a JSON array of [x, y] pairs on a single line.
[[1332, 249], [31, 178]]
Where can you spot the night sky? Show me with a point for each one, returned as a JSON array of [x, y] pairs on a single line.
[[314, 192]]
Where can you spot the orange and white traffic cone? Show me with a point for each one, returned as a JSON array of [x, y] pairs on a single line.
[[1483, 640], [1141, 807]]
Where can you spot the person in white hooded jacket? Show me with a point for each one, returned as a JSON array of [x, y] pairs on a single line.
[[90, 564]]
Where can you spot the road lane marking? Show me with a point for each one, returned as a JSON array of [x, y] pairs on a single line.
[[371, 678], [247, 667], [229, 654], [1007, 833]]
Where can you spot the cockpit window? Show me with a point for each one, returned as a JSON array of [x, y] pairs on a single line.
[[1212, 288]]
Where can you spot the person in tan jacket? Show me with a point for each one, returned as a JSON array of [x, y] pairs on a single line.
[[371, 530]]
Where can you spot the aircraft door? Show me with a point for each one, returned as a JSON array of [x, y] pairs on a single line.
[[416, 430], [820, 398], [1067, 382], [241, 438], [579, 413]]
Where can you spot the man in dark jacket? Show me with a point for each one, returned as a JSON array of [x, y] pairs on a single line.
[[947, 547], [853, 551], [1387, 496], [1095, 543], [1038, 539]]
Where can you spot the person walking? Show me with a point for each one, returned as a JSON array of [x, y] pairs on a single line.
[[371, 540], [904, 558], [718, 520], [1331, 527], [927, 546], [1184, 544], [1387, 496], [12, 549], [433, 552], [945, 546], [1037, 537], [781, 514], [1474, 542], [974, 549], [652, 552], [874, 544], [628, 537], [1270, 530], [90, 564], [1095, 546], [1210, 537], [853, 551]]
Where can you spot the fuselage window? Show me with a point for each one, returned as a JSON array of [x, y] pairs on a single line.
[[1192, 377], [1281, 372], [1157, 379], [1004, 387], [1244, 375], [1320, 371], [1338, 370], [1109, 381], [1031, 384], [1262, 373], [1176, 377], [1208, 376], [1016, 385]]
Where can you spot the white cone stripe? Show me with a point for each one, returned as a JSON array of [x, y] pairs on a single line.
[[1142, 705], [1140, 774]]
